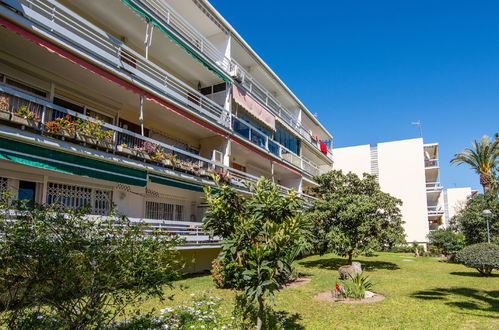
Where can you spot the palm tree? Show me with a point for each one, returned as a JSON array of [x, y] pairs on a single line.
[[483, 157]]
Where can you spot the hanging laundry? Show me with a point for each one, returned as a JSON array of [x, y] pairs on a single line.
[[323, 147]]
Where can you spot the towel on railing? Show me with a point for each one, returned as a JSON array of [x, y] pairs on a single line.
[[323, 147]]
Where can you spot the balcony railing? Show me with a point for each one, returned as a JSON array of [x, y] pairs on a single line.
[[431, 163], [250, 133], [433, 187], [435, 210], [192, 232], [195, 38], [50, 119], [82, 35]]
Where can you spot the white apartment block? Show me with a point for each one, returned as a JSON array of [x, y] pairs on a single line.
[[408, 170], [134, 104]]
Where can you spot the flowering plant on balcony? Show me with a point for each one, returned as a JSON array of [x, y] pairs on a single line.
[[93, 129], [60, 125], [25, 113], [153, 151]]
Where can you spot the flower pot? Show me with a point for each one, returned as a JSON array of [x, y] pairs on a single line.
[[167, 162], [124, 150], [24, 121], [105, 144], [4, 115], [86, 138]]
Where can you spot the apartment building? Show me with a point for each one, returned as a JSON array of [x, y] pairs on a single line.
[[408, 170], [454, 200], [132, 105]]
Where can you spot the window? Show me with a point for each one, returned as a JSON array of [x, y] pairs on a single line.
[[69, 105], [98, 201], [164, 211], [284, 137], [27, 191], [26, 88]]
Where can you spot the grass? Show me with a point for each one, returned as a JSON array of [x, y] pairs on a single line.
[[425, 293]]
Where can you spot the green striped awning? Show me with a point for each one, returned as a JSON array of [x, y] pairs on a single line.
[[28, 154], [175, 183], [176, 40]]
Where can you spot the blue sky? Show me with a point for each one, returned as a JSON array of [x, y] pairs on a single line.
[[369, 68]]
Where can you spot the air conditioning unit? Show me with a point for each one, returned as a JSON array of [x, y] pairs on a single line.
[[237, 74], [217, 156]]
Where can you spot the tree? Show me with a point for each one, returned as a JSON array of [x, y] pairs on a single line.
[[353, 214], [473, 224], [66, 270], [446, 240], [483, 157], [262, 235]]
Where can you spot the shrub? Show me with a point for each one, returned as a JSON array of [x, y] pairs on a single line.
[[401, 249], [447, 241], [356, 288], [84, 272], [484, 257]]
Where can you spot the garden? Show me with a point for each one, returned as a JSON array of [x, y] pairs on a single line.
[[340, 262]]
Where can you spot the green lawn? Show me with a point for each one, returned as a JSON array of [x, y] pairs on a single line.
[[421, 294]]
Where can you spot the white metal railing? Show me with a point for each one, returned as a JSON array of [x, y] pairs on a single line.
[[433, 186], [116, 140], [311, 168], [431, 163], [170, 17], [435, 210], [97, 43], [195, 38], [191, 232]]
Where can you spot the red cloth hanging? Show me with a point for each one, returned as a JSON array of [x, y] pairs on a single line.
[[323, 147]]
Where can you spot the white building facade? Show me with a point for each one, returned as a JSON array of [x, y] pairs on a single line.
[[133, 105], [408, 170]]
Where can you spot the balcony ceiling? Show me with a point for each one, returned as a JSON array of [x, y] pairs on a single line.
[[121, 21]]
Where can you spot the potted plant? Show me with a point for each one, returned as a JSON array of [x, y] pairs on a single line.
[[170, 160], [4, 107], [85, 131], [61, 126], [123, 148], [25, 117]]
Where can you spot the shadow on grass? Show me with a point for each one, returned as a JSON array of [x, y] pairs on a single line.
[[479, 300], [291, 321], [473, 274], [335, 263]]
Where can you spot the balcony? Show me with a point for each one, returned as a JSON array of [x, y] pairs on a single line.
[[250, 133], [31, 113], [431, 163], [435, 211], [170, 19], [433, 187], [63, 26]]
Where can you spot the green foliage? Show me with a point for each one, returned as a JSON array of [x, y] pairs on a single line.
[[204, 312], [262, 235], [447, 241], [76, 272], [356, 287], [484, 257], [473, 224], [483, 158], [354, 215]]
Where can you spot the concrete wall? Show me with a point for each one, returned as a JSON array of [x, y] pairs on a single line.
[[353, 159], [402, 174], [456, 201], [198, 260]]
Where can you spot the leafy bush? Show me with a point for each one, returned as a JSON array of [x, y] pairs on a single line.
[[204, 312], [401, 249], [84, 272], [447, 241], [263, 234], [484, 257], [356, 287], [473, 224]]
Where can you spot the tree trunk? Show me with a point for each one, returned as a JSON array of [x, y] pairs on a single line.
[[486, 181], [261, 313], [350, 257]]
